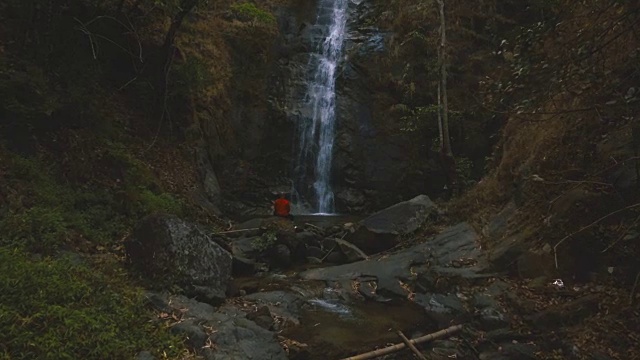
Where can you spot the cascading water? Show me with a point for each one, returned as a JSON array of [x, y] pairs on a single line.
[[316, 128]]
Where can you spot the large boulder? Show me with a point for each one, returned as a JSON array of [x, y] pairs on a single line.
[[225, 333], [447, 254], [166, 247], [382, 230]]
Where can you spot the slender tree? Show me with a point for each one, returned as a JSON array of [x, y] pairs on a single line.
[[446, 155], [167, 54], [443, 116]]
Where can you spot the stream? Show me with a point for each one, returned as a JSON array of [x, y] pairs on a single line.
[[332, 323], [294, 302], [328, 317]]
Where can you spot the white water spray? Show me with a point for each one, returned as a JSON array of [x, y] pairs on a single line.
[[316, 131]]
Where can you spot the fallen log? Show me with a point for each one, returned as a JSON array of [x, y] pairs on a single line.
[[397, 347], [411, 346]]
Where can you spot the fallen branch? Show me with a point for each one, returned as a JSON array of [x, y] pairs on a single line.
[[329, 253], [353, 246], [235, 231], [411, 346], [555, 252], [397, 347]]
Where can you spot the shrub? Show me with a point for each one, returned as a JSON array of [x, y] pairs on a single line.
[[50, 212], [250, 12], [55, 308]]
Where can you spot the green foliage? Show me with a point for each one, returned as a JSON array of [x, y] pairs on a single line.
[[464, 170], [250, 12], [39, 228], [55, 309], [26, 94], [266, 241], [164, 202], [419, 118], [51, 212], [190, 77]]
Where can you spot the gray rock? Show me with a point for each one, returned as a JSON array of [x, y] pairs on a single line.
[[492, 318], [262, 317], [158, 301], [314, 251], [351, 252], [242, 266], [336, 257], [309, 238], [246, 247], [280, 256], [208, 178], [191, 308], [283, 304], [497, 227], [481, 301], [352, 200], [387, 271], [442, 308], [440, 303], [445, 349], [145, 355], [166, 247], [196, 337], [489, 312], [237, 337], [382, 230]]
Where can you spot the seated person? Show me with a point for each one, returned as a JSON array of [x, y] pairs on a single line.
[[282, 207]]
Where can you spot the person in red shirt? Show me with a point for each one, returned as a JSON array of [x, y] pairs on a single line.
[[282, 207]]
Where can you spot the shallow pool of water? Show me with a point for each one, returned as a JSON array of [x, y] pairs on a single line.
[[333, 330]]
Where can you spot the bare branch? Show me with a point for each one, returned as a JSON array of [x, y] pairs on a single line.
[[621, 236], [555, 252]]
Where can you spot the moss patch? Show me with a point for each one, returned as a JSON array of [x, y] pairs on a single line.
[[43, 211], [55, 308]]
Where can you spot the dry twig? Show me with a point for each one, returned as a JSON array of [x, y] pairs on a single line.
[[235, 231], [397, 347], [411, 346]]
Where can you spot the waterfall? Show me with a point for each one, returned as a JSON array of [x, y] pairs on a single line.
[[316, 126]]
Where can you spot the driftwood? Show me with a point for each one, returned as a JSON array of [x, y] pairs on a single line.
[[411, 346], [397, 347]]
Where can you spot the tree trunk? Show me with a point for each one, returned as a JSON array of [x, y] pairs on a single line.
[[440, 133], [446, 142], [185, 8], [166, 57], [445, 154]]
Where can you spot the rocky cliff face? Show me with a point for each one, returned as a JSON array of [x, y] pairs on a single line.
[[373, 164]]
